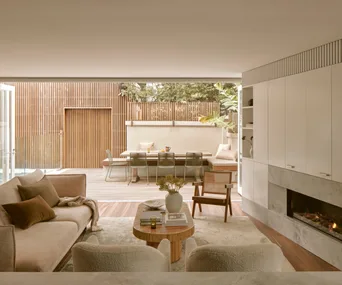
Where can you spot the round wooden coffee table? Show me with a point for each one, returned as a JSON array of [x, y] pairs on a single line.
[[174, 234]]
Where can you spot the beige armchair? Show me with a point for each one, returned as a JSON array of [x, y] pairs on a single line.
[[266, 257], [90, 256]]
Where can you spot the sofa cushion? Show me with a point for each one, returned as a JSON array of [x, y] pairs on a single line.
[[42, 246], [5, 219], [27, 213], [31, 178], [80, 215], [44, 188], [9, 192], [221, 162]]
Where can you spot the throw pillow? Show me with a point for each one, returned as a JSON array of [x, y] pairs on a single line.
[[227, 154], [44, 188], [31, 177], [145, 146], [27, 213]]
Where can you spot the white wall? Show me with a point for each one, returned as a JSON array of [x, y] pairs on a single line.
[[179, 138]]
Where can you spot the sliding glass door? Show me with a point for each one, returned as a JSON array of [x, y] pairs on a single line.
[[7, 132]]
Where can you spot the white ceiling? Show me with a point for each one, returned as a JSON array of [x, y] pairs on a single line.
[[158, 38]]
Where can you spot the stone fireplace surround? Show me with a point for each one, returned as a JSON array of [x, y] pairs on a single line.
[[315, 241]]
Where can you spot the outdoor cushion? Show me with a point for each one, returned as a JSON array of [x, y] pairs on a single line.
[[80, 215], [223, 147], [42, 246], [31, 177], [27, 213], [221, 162], [146, 145], [227, 154], [44, 188]]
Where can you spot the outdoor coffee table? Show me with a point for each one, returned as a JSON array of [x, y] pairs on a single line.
[[174, 234]]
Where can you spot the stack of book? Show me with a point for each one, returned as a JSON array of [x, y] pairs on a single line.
[[145, 218], [175, 220]]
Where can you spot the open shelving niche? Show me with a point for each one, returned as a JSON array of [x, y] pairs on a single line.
[[247, 120]]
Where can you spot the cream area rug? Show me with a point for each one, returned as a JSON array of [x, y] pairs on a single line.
[[208, 230]]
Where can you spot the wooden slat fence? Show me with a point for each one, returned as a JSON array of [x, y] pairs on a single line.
[[170, 111], [40, 114]]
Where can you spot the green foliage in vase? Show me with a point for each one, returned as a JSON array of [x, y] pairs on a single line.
[[170, 184]]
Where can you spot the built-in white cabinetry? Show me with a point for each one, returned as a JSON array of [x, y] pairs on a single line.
[[337, 123], [295, 129], [276, 122], [260, 123], [318, 122], [247, 178], [260, 184]]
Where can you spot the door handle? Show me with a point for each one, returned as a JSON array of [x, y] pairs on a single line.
[[291, 166], [325, 174]]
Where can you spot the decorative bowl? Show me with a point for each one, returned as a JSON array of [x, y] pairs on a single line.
[[154, 204]]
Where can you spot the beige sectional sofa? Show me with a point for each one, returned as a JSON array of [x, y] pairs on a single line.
[[42, 246]]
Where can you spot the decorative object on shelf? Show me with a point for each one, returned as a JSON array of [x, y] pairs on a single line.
[[251, 144], [250, 102], [153, 222], [167, 148], [173, 200], [154, 204]]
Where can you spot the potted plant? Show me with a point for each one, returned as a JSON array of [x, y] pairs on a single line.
[[173, 200]]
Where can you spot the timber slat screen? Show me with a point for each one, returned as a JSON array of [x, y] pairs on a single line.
[[87, 134], [170, 111], [40, 114]]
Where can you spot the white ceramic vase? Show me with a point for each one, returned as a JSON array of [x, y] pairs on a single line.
[[173, 202]]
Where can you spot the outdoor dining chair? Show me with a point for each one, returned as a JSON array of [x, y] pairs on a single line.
[[193, 160], [166, 160], [115, 162], [138, 160]]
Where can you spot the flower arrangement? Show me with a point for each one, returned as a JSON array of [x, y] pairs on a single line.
[[170, 184]]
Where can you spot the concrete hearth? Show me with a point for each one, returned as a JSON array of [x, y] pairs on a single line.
[[276, 217]]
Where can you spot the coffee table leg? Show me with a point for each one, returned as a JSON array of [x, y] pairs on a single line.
[[153, 244], [176, 251]]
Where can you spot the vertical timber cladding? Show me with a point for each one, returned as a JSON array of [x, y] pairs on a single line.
[[87, 133], [40, 112], [318, 57]]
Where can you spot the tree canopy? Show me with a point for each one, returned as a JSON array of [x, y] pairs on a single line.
[[224, 93]]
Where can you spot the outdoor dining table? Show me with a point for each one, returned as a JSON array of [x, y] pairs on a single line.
[[152, 158]]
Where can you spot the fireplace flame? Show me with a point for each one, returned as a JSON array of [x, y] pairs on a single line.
[[334, 226]]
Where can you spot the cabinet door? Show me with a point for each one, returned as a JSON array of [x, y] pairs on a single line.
[[318, 120], [276, 122], [260, 184], [337, 122], [296, 122], [260, 123], [247, 173]]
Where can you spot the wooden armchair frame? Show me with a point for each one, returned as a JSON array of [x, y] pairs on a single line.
[[199, 197]]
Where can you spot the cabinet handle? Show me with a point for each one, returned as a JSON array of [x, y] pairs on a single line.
[[325, 174], [291, 166]]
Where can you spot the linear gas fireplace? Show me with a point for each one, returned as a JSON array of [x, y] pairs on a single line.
[[318, 214]]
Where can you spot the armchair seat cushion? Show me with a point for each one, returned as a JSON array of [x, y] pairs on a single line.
[[90, 256], [250, 258]]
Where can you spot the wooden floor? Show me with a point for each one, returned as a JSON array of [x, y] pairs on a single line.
[[301, 259]]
